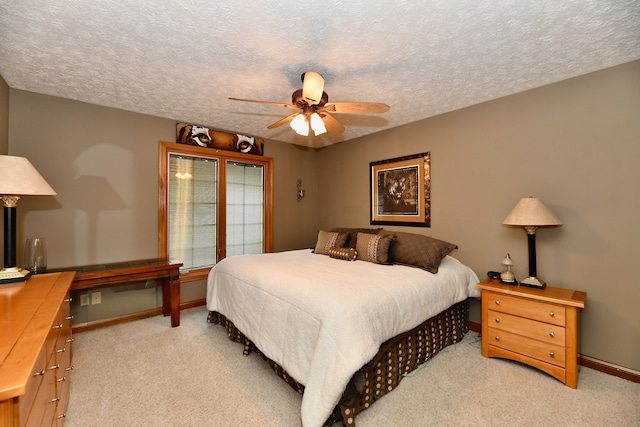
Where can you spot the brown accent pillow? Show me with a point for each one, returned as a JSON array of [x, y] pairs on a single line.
[[348, 254], [419, 251], [329, 239], [373, 247], [353, 234]]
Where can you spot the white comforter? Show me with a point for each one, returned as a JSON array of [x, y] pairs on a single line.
[[322, 319]]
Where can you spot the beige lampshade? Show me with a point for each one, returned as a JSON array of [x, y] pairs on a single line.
[[531, 211], [18, 177]]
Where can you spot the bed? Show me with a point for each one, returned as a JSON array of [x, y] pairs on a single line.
[[343, 332]]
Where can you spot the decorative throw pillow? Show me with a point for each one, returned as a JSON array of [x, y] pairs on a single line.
[[419, 251], [374, 247], [353, 234], [348, 254], [329, 239]]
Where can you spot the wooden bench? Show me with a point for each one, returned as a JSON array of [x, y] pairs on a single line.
[[166, 273]]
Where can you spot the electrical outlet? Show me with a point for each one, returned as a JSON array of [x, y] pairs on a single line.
[[96, 298], [84, 300]]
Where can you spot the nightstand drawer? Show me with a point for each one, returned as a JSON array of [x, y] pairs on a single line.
[[541, 331], [531, 309], [549, 353]]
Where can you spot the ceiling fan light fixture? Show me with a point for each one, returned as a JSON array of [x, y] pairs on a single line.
[[312, 87], [317, 124], [299, 125]]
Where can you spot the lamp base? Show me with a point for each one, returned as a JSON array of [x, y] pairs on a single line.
[[13, 275], [508, 278], [533, 282]]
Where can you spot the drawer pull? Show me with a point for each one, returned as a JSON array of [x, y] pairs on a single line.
[[62, 350], [62, 416], [35, 374], [69, 340], [62, 379], [56, 399], [69, 318], [497, 338], [497, 320], [497, 302], [57, 326], [70, 368], [54, 367], [68, 299], [552, 354], [551, 334], [552, 314]]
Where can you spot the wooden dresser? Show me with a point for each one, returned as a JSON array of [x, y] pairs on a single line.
[[539, 327], [35, 350]]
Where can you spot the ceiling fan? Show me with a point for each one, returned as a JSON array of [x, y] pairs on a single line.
[[313, 108]]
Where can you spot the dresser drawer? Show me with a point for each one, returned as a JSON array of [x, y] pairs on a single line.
[[531, 309], [33, 384], [549, 353], [541, 331]]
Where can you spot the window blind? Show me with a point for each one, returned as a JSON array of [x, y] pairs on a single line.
[[245, 208], [193, 205]]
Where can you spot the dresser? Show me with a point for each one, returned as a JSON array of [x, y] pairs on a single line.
[[35, 350], [539, 327]]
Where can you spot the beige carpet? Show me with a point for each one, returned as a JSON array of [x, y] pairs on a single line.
[[145, 373]]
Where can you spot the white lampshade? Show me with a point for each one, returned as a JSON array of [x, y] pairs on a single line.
[[18, 177], [317, 124], [312, 87], [300, 125], [531, 211]]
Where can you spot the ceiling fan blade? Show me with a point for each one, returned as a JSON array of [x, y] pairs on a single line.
[[331, 123], [283, 121], [312, 87], [356, 107], [277, 104]]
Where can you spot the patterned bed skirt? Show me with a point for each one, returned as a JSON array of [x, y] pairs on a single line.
[[396, 358]]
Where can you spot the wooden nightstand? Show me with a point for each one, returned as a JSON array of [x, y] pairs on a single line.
[[539, 327]]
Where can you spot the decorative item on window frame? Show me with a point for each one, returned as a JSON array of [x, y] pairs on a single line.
[[401, 191], [205, 137]]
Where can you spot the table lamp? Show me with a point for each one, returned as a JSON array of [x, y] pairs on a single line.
[[507, 277], [18, 178], [531, 213]]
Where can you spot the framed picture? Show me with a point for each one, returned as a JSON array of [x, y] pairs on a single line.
[[401, 191]]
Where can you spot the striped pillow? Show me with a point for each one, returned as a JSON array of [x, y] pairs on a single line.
[[328, 239], [374, 247]]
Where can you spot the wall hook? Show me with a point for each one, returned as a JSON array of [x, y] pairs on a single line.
[[300, 190]]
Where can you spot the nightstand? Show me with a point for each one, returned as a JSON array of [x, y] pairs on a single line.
[[538, 327]]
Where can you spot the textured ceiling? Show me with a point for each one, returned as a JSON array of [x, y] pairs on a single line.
[[182, 59]]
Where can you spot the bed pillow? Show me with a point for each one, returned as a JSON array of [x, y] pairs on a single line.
[[353, 234], [329, 239], [348, 254], [419, 251], [373, 247]]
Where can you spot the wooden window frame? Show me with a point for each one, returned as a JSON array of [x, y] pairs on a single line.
[[168, 148]]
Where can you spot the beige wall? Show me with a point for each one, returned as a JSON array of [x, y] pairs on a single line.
[[4, 117], [574, 144], [4, 135]]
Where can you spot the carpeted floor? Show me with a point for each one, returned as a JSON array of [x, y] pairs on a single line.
[[145, 373]]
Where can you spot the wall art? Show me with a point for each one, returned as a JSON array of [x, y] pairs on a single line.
[[206, 137], [401, 191]]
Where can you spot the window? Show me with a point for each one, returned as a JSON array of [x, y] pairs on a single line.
[[213, 204]]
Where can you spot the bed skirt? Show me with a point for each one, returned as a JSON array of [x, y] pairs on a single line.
[[396, 358]]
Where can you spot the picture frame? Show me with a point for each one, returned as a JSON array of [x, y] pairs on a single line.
[[401, 191]]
